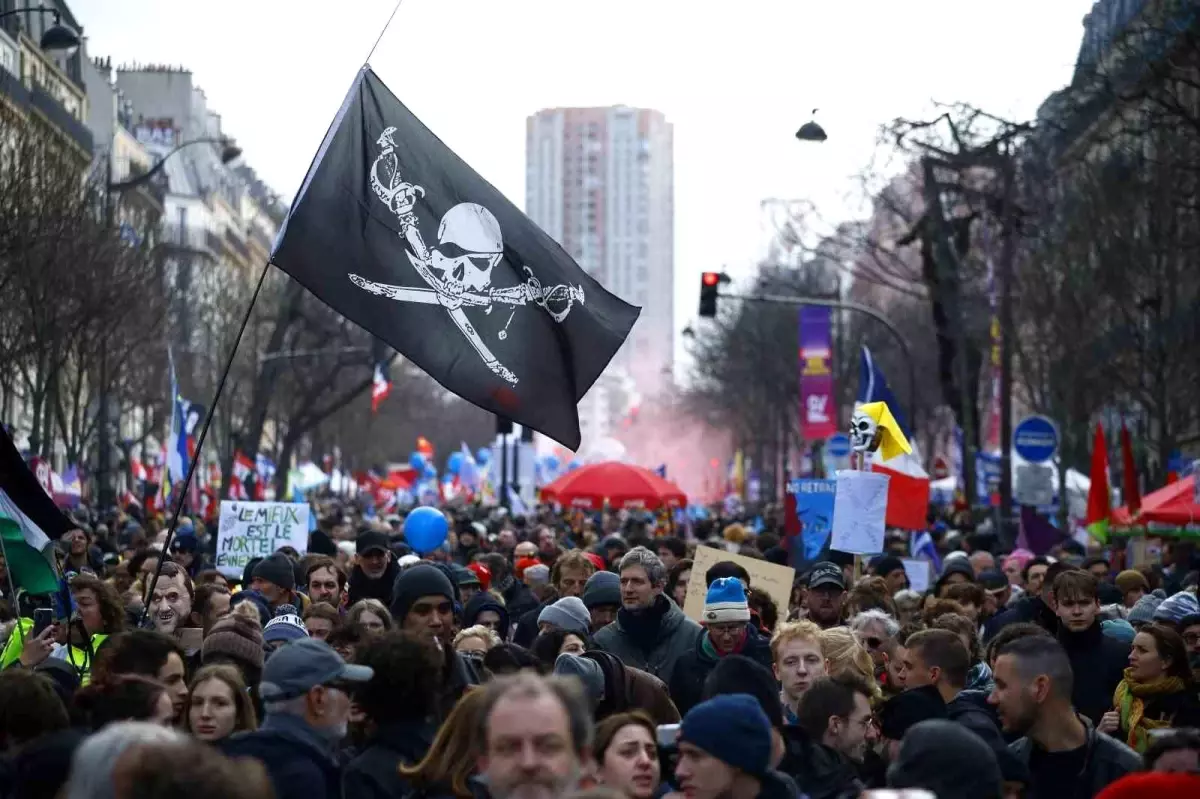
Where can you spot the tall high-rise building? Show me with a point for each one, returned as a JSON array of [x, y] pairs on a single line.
[[600, 182]]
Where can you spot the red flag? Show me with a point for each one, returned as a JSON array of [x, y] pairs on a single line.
[[1129, 485], [1099, 505], [381, 385]]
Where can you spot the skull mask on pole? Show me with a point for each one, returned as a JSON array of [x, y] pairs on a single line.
[[864, 432]]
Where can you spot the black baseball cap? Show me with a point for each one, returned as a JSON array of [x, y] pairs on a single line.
[[826, 573], [369, 540]]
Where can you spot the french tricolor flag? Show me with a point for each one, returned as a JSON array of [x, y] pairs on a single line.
[[908, 483], [381, 385]]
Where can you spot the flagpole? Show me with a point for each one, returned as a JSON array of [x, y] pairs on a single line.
[[208, 417], [12, 586]]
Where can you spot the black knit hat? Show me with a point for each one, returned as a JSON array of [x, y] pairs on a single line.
[[911, 707], [415, 582], [277, 569]]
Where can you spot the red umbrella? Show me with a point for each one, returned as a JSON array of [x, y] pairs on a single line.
[[621, 485]]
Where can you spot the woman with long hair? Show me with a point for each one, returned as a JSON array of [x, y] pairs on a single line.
[[219, 704], [448, 768], [1157, 692], [845, 655], [626, 752]]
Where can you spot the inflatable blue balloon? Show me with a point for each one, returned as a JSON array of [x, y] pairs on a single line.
[[573, 465], [417, 461], [552, 463], [484, 456], [454, 462], [430, 471], [425, 529]]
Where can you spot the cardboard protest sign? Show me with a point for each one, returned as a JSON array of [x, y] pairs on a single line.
[[248, 530], [776, 580]]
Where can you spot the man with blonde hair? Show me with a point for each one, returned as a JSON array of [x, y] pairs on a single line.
[[797, 661]]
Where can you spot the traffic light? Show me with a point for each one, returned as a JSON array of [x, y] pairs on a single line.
[[709, 281]]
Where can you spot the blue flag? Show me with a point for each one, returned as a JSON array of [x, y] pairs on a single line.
[[873, 387]]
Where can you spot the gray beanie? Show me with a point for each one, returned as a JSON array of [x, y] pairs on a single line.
[[586, 670], [568, 613], [602, 588], [1143, 611]]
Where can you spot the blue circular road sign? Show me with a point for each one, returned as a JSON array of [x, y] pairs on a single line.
[[838, 445], [1035, 439]]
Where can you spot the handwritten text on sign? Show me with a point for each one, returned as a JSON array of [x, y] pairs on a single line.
[[250, 530]]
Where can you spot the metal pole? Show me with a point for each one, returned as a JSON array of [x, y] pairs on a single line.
[[1006, 532], [208, 417], [783, 299]]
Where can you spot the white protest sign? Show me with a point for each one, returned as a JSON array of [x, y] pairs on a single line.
[[249, 530], [918, 573], [859, 509]]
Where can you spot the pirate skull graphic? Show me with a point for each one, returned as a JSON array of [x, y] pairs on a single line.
[[864, 432], [469, 247]]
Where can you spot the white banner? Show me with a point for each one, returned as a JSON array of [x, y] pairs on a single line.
[[250, 530]]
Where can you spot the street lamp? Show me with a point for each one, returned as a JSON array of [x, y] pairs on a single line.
[[58, 38], [229, 152], [811, 131]]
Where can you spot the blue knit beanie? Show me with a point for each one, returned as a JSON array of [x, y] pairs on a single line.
[[1175, 607], [726, 602], [732, 728]]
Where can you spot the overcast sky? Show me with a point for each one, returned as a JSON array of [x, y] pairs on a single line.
[[735, 79]]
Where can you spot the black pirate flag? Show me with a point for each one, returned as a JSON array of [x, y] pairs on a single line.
[[397, 233]]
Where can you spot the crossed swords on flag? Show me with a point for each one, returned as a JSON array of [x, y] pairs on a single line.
[[400, 197]]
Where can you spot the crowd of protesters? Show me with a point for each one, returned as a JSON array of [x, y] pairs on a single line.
[[541, 657]]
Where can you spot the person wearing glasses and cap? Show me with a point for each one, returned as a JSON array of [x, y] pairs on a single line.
[[826, 594], [306, 691]]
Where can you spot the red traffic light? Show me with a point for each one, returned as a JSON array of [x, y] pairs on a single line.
[[710, 278]]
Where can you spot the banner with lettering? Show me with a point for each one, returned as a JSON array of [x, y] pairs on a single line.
[[248, 530], [818, 411], [814, 510]]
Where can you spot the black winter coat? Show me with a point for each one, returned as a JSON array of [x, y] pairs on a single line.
[[374, 773], [299, 768], [1098, 662], [693, 668], [820, 772]]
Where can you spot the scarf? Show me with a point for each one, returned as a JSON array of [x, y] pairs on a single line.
[[1130, 702], [642, 625], [502, 585], [711, 651]]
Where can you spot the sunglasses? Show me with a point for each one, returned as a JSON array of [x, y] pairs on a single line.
[[872, 642]]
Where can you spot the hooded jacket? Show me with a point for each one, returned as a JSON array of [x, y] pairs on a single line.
[[687, 682], [627, 688], [653, 639], [485, 601], [363, 587], [820, 772]]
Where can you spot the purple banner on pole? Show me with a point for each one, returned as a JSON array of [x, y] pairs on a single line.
[[818, 410]]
